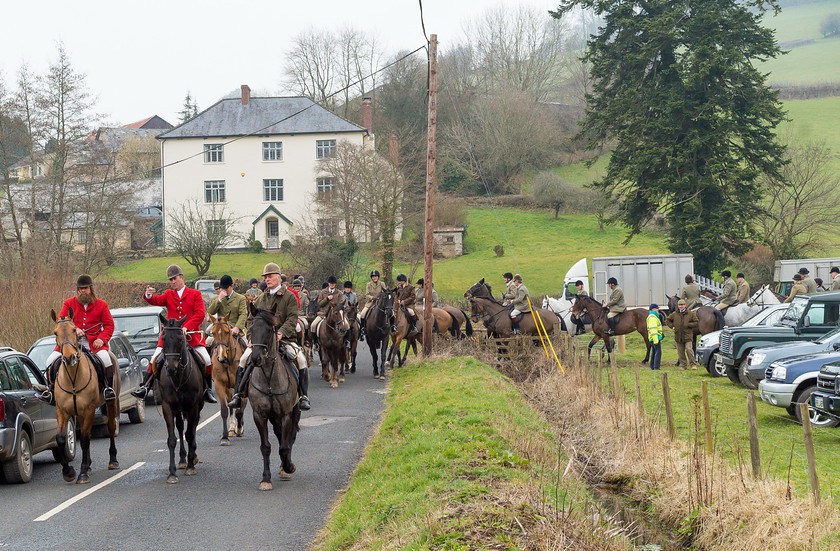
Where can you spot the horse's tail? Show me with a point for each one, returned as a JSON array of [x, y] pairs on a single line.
[[435, 328], [720, 319], [454, 326], [468, 324]]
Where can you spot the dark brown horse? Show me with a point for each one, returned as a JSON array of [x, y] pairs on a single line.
[[710, 318], [182, 391], [331, 332], [77, 395], [496, 316], [228, 348], [629, 321], [274, 394], [377, 330], [349, 357], [403, 334]]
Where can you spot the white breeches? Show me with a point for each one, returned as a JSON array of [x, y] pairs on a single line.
[[103, 355], [364, 311], [202, 351], [302, 324], [514, 313]]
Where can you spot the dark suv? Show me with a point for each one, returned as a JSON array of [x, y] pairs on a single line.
[[27, 425]]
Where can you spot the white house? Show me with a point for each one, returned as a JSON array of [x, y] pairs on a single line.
[[257, 156]]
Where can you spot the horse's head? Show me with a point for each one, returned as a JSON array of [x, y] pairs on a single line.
[[174, 342], [263, 333], [352, 312], [312, 309], [385, 301], [672, 302], [579, 305], [66, 339], [221, 331], [479, 289], [336, 319]]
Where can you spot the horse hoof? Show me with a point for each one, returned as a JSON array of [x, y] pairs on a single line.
[[265, 486], [333, 384], [352, 369], [190, 471], [172, 479], [387, 364], [83, 479], [182, 465], [284, 476], [224, 442], [70, 475], [341, 380], [232, 432], [381, 377], [113, 466], [240, 432], [87, 471]]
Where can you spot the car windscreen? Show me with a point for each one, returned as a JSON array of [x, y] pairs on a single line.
[[40, 351], [133, 327], [795, 310]]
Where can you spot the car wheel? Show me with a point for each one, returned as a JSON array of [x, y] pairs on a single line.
[[137, 414], [743, 376], [69, 450], [718, 369], [19, 468], [817, 419], [732, 373]]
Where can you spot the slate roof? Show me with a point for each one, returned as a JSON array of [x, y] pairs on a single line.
[[260, 117]]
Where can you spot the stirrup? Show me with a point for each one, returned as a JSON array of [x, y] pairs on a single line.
[[109, 394], [46, 396], [304, 403], [140, 392], [235, 402]]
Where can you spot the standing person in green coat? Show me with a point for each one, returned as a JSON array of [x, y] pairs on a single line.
[[231, 305], [654, 329], [684, 322], [519, 302]]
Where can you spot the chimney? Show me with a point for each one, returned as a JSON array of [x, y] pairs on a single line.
[[394, 149], [246, 94], [367, 115]]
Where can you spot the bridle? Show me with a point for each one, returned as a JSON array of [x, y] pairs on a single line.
[[230, 343], [74, 359], [183, 359], [270, 356]]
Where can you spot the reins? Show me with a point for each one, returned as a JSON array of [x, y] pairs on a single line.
[[184, 360], [271, 357], [66, 362]]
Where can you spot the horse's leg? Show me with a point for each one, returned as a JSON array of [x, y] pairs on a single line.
[[113, 410], [193, 418], [240, 419], [374, 355], [67, 470], [395, 344], [343, 355], [171, 441], [265, 448], [281, 431], [227, 428], [353, 348], [334, 360], [647, 345], [592, 343], [182, 457], [84, 438]]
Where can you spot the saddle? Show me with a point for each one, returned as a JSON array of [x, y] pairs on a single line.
[[518, 318], [198, 359], [96, 362]]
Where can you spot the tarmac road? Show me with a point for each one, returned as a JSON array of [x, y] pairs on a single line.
[[220, 507]]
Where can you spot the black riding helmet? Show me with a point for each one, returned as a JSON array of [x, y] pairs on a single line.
[[348, 284], [332, 279], [253, 280], [374, 273], [578, 282], [507, 275], [402, 277], [612, 281]]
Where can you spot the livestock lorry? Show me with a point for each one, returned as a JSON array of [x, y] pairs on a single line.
[[818, 267], [644, 280]]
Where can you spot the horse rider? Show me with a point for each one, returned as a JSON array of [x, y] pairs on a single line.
[[350, 299], [809, 284], [372, 291], [581, 326], [231, 305], [820, 287], [729, 295], [404, 296], [615, 304], [93, 320], [329, 294], [519, 302], [835, 279], [743, 288], [797, 289], [303, 308], [420, 294], [690, 293], [654, 330], [684, 322], [286, 307], [508, 294], [254, 290], [303, 289], [180, 302]]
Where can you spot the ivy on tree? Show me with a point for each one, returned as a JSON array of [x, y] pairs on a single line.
[[691, 118]]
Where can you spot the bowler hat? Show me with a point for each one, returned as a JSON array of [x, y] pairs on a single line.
[[84, 281], [834, 270], [174, 271], [797, 277], [803, 270], [271, 268], [226, 282], [332, 279], [726, 273]]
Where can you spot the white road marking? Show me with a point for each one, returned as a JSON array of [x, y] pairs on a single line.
[[207, 422], [49, 514]]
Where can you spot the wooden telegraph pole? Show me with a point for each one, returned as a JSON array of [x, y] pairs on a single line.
[[429, 242]]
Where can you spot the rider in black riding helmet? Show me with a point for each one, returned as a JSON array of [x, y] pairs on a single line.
[[372, 290]]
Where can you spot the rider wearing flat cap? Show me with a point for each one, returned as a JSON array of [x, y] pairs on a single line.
[[93, 320], [807, 281]]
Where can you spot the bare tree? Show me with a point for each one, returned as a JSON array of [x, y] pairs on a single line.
[[549, 190], [198, 231], [800, 204], [341, 185], [312, 67]]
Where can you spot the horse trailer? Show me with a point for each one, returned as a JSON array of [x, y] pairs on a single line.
[[817, 267]]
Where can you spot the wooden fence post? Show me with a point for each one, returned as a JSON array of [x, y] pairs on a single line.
[[707, 417], [755, 452], [639, 403], [616, 381], [805, 415], [669, 412]]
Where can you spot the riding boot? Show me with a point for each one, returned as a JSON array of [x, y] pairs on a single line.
[[304, 389], [108, 391], [209, 397], [514, 325], [52, 374], [143, 389], [611, 322], [315, 344], [240, 389]]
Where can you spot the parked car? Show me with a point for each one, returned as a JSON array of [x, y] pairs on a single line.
[[792, 380], [141, 326], [825, 398], [807, 318], [131, 375], [205, 286], [709, 344], [27, 425], [759, 359]]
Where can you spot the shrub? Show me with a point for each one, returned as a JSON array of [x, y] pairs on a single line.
[[499, 250], [286, 246]]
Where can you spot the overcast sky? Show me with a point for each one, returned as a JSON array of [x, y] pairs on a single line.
[[141, 57]]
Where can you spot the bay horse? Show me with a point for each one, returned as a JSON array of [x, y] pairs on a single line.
[[442, 322], [331, 344], [377, 329], [308, 343], [274, 394], [631, 320], [349, 357], [77, 395], [496, 316], [403, 334], [228, 348], [182, 392], [461, 319]]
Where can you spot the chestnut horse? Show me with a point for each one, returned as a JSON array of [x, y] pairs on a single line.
[[402, 334], [629, 321], [77, 395], [228, 348]]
